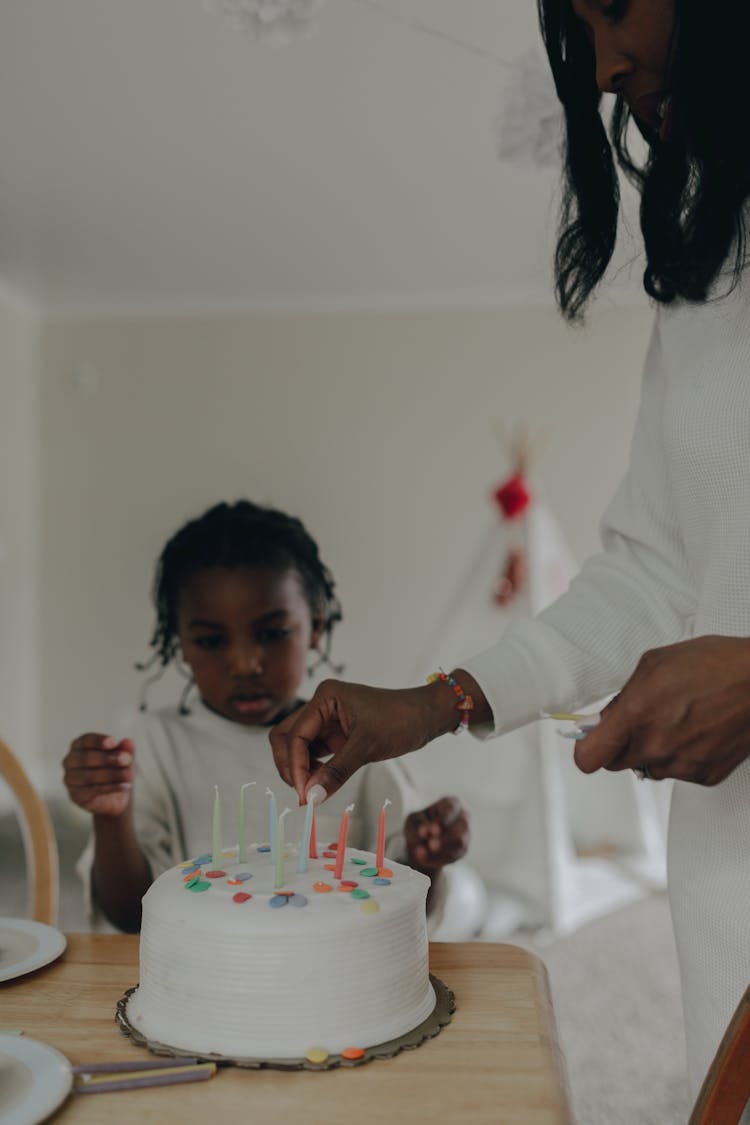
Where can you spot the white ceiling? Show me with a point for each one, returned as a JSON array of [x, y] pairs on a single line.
[[151, 154]]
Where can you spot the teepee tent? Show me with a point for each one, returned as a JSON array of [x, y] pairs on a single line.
[[553, 847]]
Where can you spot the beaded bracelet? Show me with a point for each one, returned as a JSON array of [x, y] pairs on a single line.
[[465, 702]]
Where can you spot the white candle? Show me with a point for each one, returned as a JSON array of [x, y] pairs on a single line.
[[315, 795], [241, 833]]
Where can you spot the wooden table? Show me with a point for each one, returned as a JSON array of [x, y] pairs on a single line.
[[497, 1061]]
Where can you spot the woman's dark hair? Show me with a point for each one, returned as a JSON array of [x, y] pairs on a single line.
[[242, 534], [693, 188]]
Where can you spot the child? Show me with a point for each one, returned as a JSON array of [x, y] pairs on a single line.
[[242, 597]]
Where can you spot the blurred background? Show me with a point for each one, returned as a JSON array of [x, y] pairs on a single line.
[[298, 252]]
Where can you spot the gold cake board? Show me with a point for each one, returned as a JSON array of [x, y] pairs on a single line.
[[441, 1015]]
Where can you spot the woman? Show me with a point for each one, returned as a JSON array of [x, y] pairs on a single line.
[[662, 614]]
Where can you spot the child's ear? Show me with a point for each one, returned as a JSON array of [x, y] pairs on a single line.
[[318, 628]]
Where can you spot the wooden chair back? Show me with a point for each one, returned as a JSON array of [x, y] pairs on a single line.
[[726, 1089], [40, 845]]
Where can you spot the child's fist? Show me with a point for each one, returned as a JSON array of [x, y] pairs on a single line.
[[98, 773], [437, 835]]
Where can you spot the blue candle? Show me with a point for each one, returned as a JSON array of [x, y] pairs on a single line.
[[273, 816], [241, 833], [216, 859]]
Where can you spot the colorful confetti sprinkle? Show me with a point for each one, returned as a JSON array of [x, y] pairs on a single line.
[[370, 907], [322, 888], [263, 848], [278, 900], [316, 1054], [198, 886], [297, 900], [381, 882], [385, 873], [360, 862], [353, 1053], [241, 896], [360, 892], [215, 874], [369, 871]]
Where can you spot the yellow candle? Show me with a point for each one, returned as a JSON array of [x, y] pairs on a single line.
[[216, 860], [241, 832], [272, 819], [380, 853], [279, 882], [341, 848]]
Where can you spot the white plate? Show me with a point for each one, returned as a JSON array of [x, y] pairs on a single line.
[[34, 1080], [27, 945]]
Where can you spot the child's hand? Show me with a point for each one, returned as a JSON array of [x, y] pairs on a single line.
[[98, 773], [437, 835]]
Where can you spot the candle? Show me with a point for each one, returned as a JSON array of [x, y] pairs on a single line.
[[272, 819], [305, 847], [241, 834], [279, 881], [380, 853], [341, 848], [313, 839], [216, 859]]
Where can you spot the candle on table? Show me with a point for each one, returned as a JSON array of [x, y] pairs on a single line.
[[241, 833], [272, 819], [341, 847], [380, 853], [217, 845], [279, 880], [315, 795]]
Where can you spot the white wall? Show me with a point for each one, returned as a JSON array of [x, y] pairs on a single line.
[[375, 428], [20, 690]]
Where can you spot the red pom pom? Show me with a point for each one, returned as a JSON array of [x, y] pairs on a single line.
[[513, 497]]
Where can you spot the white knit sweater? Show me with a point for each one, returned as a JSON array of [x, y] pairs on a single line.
[[675, 563]]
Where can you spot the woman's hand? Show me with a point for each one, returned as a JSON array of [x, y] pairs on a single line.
[[98, 774], [349, 725], [437, 835], [684, 713]]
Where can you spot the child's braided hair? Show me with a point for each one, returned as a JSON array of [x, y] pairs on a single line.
[[242, 534]]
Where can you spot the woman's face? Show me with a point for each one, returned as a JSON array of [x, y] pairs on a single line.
[[632, 40]]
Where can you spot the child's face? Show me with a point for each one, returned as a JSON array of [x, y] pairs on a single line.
[[245, 632]]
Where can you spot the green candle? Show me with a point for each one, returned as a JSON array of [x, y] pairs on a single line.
[[216, 860], [241, 834], [279, 881]]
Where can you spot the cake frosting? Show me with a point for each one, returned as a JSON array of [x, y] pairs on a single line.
[[230, 965]]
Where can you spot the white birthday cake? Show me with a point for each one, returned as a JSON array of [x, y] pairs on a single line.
[[230, 965]]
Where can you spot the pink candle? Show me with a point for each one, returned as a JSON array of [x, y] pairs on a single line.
[[380, 853], [313, 842], [341, 849]]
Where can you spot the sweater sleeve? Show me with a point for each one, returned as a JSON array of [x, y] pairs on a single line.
[[635, 594]]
